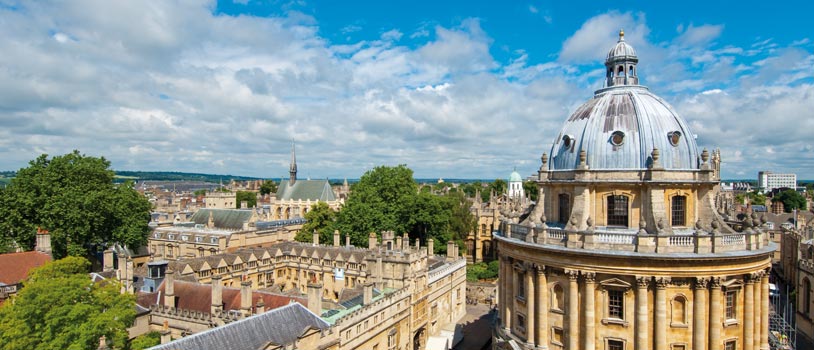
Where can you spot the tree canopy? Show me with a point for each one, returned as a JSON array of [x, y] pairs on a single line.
[[387, 199], [73, 197], [791, 200], [321, 218], [61, 308], [249, 197], [268, 187]]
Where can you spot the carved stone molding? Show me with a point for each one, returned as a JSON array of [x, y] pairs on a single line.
[[715, 282], [572, 274], [590, 277], [662, 282], [702, 282], [643, 281]]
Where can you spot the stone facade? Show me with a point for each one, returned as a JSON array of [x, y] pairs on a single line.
[[625, 248]]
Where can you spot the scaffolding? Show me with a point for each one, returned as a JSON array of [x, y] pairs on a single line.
[[782, 332]]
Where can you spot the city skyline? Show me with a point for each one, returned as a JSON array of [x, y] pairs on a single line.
[[460, 89]]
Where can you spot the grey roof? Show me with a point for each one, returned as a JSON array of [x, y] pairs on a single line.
[[223, 218], [281, 326], [315, 190]]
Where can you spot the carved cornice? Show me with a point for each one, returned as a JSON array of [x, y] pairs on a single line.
[[662, 282]]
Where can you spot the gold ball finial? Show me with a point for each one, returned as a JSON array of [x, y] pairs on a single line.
[[621, 34]]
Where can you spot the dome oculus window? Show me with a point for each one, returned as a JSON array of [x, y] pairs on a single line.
[[674, 137], [567, 141], [617, 138]]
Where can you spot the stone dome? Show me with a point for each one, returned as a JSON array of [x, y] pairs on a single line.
[[621, 125]]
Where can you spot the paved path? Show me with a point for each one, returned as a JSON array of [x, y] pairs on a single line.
[[477, 328]]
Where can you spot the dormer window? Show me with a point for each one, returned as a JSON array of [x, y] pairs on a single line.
[[567, 142], [674, 137], [617, 138]]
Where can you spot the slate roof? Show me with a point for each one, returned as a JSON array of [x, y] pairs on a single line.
[[14, 267], [315, 190], [281, 326], [223, 218]]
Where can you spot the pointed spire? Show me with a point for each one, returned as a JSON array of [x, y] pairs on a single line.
[[292, 169]]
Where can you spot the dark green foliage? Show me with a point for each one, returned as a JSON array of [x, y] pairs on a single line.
[[268, 187], [755, 198], [201, 192], [498, 186], [321, 218], [387, 199], [146, 340], [530, 188], [74, 198], [482, 271], [791, 200], [249, 197], [60, 308]]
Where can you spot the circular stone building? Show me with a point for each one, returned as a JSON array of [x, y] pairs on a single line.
[[624, 249]]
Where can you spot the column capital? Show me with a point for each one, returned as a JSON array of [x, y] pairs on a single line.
[[715, 282], [662, 282], [539, 269], [590, 277], [750, 278], [643, 281], [701, 282], [572, 274]]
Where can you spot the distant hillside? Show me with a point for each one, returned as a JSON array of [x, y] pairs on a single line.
[[177, 176]]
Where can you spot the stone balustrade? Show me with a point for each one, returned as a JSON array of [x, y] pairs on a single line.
[[698, 241]]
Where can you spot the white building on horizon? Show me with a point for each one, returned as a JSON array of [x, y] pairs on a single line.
[[767, 180]]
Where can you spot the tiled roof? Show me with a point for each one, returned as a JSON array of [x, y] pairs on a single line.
[[14, 267], [198, 297], [281, 326], [223, 218], [315, 190]]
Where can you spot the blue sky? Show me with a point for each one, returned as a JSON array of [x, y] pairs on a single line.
[[455, 89]]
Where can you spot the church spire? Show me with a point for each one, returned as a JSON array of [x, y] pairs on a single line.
[[292, 169]]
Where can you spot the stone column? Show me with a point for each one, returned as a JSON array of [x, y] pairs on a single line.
[[749, 313], [590, 311], [757, 312], [715, 309], [764, 312], [641, 313], [530, 314], [508, 299], [699, 306], [542, 308], [660, 303], [573, 312]]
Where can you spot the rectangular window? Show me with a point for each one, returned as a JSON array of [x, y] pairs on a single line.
[[617, 211], [616, 345], [616, 304], [521, 285], [564, 210], [521, 322], [679, 211], [731, 345], [557, 336], [731, 310]]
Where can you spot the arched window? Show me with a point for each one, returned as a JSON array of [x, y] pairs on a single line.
[[557, 300], [563, 207], [679, 211], [617, 210], [806, 297], [631, 71], [621, 70], [679, 315]]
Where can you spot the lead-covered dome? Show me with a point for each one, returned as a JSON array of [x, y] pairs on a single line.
[[622, 124]]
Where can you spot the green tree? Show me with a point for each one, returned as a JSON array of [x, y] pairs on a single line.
[[268, 187], [791, 200], [498, 186], [249, 197], [146, 340], [322, 219], [201, 192], [61, 308], [530, 188], [376, 203], [74, 198]]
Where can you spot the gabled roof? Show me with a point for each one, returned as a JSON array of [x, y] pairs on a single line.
[[315, 190], [223, 218], [14, 267], [281, 326], [198, 297]]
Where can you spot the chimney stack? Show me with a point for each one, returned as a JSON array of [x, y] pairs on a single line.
[[169, 288], [405, 243], [246, 298], [166, 336], [217, 296], [430, 246], [347, 240], [315, 237], [367, 296], [43, 241], [315, 298], [398, 243], [261, 307], [336, 238], [371, 241], [450, 249], [107, 260]]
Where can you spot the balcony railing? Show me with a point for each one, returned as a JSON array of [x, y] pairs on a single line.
[[631, 241]]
